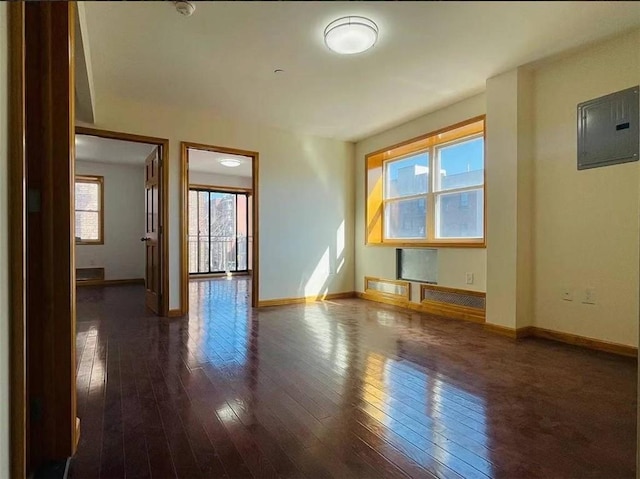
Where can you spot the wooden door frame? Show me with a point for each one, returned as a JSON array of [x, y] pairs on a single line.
[[63, 293], [184, 202], [17, 243], [163, 143]]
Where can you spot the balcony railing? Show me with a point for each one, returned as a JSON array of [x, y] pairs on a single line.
[[218, 254]]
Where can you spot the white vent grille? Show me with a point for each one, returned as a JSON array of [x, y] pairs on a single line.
[[399, 289], [467, 299]]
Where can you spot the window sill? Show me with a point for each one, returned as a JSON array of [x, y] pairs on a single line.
[[435, 244], [87, 243]]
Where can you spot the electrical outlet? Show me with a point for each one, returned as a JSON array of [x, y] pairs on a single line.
[[567, 294], [469, 278], [589, 296]]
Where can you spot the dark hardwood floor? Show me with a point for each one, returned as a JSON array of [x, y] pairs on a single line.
[[338, 389]]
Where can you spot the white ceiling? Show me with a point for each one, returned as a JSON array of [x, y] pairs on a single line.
[[429, 54], [204, 161], [105, 150]]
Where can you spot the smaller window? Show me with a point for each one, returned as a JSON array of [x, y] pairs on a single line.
[[89, 200]]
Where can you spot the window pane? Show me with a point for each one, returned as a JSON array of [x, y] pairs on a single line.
[[406, 218], [193, 231], [87, 196], [461, 165], [460, 215], [203, 231], [241, 215], [409, 176], [88, 225], [223, 232]]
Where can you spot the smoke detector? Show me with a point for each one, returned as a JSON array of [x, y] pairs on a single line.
[[185, 7]]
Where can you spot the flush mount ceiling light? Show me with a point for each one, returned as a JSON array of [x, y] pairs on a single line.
[[349, 35], [230, 162]]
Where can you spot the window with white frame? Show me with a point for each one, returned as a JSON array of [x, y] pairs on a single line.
[[432, 189]]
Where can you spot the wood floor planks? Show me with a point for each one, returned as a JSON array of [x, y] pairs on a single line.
[[341, 389]]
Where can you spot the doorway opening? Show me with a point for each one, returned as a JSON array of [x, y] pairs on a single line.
[[110, 220], [121, 181], [219, 227]]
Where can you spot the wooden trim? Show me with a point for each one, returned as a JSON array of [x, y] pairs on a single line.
[[422, 244], [50, 242], [304, 300], [397, 297], [174, 313], [430, 307], [118, 135], [185, 146], [99, 180], [585, 342], [110, 282], [374, 200], [567, 338], [445, 289], [163, 144], [224, 189], [510, 332], [379, 298], [99, 277], [389, 149], [455, 311], [17, 242]]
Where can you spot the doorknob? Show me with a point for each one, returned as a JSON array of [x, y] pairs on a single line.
[[145, 239]]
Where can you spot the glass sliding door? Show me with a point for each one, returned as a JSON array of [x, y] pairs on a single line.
[[218, 232]]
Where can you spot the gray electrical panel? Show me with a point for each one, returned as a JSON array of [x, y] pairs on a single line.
[[608, 131]]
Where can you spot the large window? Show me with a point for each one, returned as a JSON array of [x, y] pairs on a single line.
[[429, 190], [218, 231], [89, 214]]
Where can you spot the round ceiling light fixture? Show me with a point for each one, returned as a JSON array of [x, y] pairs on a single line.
[[349, 35], [230, 162]]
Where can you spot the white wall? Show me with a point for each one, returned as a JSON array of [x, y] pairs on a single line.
[[305, 196], [122, 254], [210, 179], [379, 261], [4, 252], [586, 222]]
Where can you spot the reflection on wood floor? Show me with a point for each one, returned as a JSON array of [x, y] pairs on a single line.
[[339, 389]]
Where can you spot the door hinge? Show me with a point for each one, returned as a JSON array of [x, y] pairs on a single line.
[[36, 409], [33, 201]]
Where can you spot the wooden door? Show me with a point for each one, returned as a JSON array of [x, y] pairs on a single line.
[[153, 230]]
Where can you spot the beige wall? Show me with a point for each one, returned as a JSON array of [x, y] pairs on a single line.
[[306, 216], [210, 179], [586, 222], [4, 253], [509, 199], [379, 261], [122, 254]]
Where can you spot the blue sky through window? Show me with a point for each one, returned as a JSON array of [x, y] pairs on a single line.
[[421, 159], [463, 157]]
